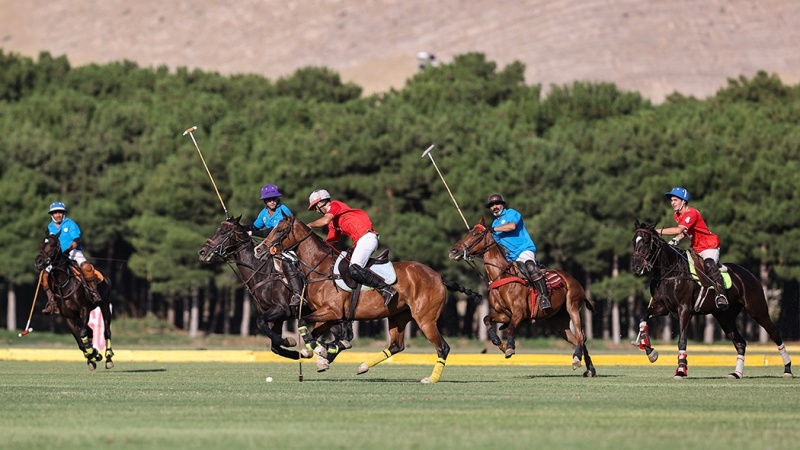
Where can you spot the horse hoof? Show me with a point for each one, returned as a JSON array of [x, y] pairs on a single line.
[[92, 365], [653, 356], [590, 373], [363, 368], [426, 380], [321, 351], [322, 364], [290, 342], [306, 353], [98, 357], [576, 363], [734, 376], [788, 375], [109, 364], [346, 345], [510, 352], [679, 377]]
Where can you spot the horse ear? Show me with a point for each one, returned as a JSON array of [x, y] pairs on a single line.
[[237, 219], [636, 224], [483, 221]]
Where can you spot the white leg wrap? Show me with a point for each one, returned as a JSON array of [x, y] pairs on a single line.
[[784, 354], [739, 365]]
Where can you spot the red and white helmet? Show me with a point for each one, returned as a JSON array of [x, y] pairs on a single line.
[[316, 197]]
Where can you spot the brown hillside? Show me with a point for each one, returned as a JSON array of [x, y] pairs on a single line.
[[652, 46]]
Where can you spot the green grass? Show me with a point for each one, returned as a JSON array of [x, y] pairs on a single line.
[[210, 405]]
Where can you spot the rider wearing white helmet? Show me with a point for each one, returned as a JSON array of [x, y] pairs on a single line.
[[704, 242], [355, 224], [69, 236]]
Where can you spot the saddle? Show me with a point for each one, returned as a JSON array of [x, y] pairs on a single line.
[[343, 268], [553, 281], [696, 266]]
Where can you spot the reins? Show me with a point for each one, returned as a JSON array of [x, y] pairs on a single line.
[[468, 256]]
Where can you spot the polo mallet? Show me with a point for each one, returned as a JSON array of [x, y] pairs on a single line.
[[189, 131], [300, 339], [428, 153], [28, 328]]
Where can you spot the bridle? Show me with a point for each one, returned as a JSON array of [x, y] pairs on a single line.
[[225, 251], [468, 255], [282, 234], [650, 255]]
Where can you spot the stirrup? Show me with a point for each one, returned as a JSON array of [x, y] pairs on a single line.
[[389, 293], [545, 303], [51, 308], [721, 302]]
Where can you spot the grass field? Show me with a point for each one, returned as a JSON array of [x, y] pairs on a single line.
[[157, 405]]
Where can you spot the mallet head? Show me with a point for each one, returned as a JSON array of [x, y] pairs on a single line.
[[426, 152], [190, 130]]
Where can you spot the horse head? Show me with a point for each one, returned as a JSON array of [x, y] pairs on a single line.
[[647, 245], [473, 244], [229, 239], [285, 236], [49, 251]]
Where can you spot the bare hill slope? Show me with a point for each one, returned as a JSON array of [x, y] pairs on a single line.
[[651, 46]]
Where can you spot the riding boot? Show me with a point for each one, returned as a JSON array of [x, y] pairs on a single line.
[[92, 277], [52, 306], [371, 279], [295, 280], [712, 270], [538, 282]]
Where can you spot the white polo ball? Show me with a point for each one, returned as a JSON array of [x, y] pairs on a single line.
[[269, 379]]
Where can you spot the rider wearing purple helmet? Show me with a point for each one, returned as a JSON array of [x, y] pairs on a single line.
[[274, 211]]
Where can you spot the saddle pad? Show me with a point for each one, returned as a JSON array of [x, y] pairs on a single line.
[[383, 270], [726, 277]]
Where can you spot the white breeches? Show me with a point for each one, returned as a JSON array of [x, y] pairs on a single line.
[[364, 248]]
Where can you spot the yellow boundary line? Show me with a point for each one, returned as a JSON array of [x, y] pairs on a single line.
[[635, 358]]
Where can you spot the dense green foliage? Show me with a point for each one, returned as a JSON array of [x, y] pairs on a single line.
[[227, 405], [581, 163]]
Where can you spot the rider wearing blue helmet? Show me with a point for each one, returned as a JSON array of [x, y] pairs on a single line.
[[508, 230], [69, 235], [704, 242], [274, 211]]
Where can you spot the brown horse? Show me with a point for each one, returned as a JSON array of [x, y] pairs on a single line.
[[71, 294], [674, 290], [510, 297], [421, 293], [263, 279]]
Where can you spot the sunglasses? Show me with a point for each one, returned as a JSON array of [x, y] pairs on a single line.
[[494, 204]]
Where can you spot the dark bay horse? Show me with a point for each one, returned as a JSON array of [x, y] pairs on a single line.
[[262, 278], [421, 293], [511, 298], [675, 291], [70, 291]]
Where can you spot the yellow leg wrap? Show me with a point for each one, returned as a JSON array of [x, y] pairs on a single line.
[[378, 358], [437, 371]]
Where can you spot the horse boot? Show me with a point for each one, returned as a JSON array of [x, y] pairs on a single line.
[[52, 306], [538, 281], [371, 279], [92, 277], [295, 280], [712, 270]]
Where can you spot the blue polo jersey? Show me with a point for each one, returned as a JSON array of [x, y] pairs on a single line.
[[69, 232], [264, 220], [516, 241]]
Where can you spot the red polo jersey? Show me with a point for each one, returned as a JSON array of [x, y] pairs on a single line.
[[697, 230], [354, 223]]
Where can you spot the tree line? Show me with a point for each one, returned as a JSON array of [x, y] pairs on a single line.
[[581, 162]]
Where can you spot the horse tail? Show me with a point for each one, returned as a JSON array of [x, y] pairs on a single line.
[[472, 296], [589, 304]]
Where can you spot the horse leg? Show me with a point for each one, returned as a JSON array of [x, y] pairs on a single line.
[[397, 326], [654, 309], [428, 326], [727, 320], [105, 310], [683, 365], [490, 331], [761, 316], [560, 323], [277, 342], [573, 308]]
